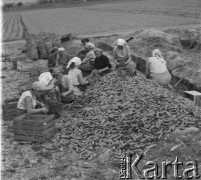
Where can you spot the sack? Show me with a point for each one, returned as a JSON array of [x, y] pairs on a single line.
[[32, 51], [42, 51]]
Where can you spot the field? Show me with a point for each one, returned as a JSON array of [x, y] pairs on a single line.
[[12, 27], [103, 18]]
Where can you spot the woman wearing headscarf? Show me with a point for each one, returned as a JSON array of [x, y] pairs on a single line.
[[28, 100], [68, 92], [122, 56], [75, 74], [62, 58], [51, 97], [52, 57], [156, 68], [88, 62], [102, 64]]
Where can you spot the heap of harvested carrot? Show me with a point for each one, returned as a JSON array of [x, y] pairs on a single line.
[[121, 110]]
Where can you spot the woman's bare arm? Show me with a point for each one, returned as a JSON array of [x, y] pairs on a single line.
[[30, 109], [81, 79]]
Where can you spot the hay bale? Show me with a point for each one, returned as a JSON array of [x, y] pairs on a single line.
[[148, 40], [153, 33], [42, 51], [32, 51]]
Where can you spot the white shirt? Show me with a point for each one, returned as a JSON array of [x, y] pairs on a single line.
[[157, 65], [21, 103], [73, 74]]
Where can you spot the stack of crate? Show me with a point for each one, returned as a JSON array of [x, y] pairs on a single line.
[[10, 109], [34, 128], [33, 75]]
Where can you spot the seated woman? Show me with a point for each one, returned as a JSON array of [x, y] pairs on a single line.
[[27, 102], [52, 57], [156, 68], [51, 97], [62, 58], [69, 93], [75, 74], [88, 62], [122, 56], [102, 64]]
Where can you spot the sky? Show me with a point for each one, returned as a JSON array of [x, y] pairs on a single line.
[[16, 1]]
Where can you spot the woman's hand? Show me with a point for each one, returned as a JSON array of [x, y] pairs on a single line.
[[44, 110], [63, 94]]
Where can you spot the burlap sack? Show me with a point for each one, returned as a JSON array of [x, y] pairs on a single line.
[[48, 46], [32, 51], [42, 51]]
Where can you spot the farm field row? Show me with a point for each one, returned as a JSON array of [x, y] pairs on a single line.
[[177, 8], [102, 18], [12, 27], [80, 21]]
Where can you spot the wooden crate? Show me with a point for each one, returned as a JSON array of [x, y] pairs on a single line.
[[194, 96], [10, 109], [66, 37], [40, 64], [25, 65], [33, 75], [35, 128]]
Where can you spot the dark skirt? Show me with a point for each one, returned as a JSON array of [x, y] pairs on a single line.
[[67, 99], [86, 69]]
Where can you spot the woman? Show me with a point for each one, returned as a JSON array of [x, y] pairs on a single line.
[[122, 56], [62, 58], [65, 85], [102, 64], [156, 68], [27, 102], [75, 74], [88, 62], [51, 97], [52, 57]]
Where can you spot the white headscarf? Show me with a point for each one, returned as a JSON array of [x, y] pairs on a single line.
[[61, 49], [45, 78], [157, 54], [76, 60], [121, 42], [89, 45]]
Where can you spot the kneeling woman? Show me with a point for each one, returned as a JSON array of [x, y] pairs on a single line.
[[27, 102], [122, 56], [69, 93], [87, 65], [156, 68]]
